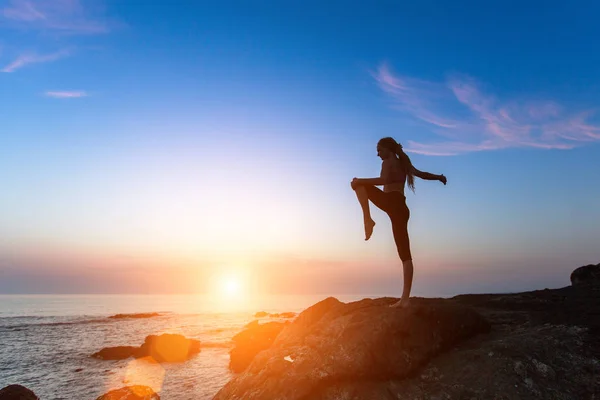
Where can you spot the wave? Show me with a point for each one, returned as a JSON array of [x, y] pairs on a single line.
[[137, 315], [219, 345], [111, 319]]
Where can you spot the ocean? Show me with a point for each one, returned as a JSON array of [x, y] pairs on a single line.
[[46, 341]]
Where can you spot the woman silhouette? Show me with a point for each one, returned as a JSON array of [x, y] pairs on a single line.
[[396, 170]]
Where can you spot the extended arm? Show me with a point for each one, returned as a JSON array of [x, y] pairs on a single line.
[[428, 176]]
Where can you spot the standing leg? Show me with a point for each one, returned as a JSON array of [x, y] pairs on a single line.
[[363, 199], [400, 229]]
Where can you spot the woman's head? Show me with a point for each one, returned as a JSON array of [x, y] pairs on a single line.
[[387, 147]]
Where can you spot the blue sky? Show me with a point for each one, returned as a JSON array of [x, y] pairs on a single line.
[[189, 136]]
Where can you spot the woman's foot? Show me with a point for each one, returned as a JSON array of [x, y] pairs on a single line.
[[403, 303], [369, 225]]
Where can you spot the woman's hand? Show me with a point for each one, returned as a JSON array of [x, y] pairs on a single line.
[[443, 179]]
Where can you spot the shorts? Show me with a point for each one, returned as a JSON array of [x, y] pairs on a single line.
[[394, 205]]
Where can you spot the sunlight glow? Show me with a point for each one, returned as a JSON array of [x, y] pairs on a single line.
[[230, 286], [229, 289]]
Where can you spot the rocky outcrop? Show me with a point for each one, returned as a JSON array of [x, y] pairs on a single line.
[[332, 344], [252, 340], [588, 275], [17, 392], [538, 344], [163, 348], [136, 392]]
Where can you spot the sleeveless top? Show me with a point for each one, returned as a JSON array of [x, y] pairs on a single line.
[[393, 175]]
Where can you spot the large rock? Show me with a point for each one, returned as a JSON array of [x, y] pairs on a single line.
[[117, 353], [136, 392], [252, 340], [164, 348], [588, 275], [17, 392], [332, 343]]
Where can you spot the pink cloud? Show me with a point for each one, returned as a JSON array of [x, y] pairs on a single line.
[[64, 16], [66, 94], [26, 59], [475, 120], [23, 11]]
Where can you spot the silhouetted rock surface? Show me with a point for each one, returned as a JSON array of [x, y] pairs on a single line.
[[332, 342], [253, 339], [539, 344], [588, 275], [136, 392], [17, 392], [163, 348], [137, 315]]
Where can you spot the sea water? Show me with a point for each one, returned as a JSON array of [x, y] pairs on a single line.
[[46, 342]]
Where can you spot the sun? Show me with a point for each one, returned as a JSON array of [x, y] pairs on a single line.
[[230, 285], [229, 289]]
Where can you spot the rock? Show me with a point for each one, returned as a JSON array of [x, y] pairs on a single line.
[[261, 314], [164, 348], [332, 344], [136, 392], [17, 392], [169, 347], [252, 340], [588, 275], [544, 370], [137, 315], [117, 353], [520, 369]]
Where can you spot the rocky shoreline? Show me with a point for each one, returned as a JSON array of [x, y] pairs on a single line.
[[538, 344]]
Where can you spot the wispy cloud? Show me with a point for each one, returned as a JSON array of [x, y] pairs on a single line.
[[66, 94], [470, 119], [63, 16], [26, 59]]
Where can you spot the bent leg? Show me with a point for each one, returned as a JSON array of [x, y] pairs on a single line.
[[363, 199]]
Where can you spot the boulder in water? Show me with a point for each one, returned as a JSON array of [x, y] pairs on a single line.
[[261, 314], [17, 392], [162, 348], [169, 347], [251, 341], [117, 353], [136, 392]]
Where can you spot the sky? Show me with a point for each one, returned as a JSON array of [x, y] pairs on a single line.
[[148, 149]]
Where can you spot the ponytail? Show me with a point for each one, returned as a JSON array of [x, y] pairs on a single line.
[[407, 165]]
